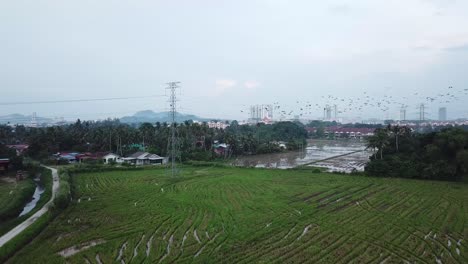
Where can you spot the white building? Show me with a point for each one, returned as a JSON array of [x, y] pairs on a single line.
[[144, 158], [111, 157], [218, 125], [260, 113]]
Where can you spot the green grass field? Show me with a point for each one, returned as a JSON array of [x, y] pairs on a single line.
[[13, 196], [239, 215]]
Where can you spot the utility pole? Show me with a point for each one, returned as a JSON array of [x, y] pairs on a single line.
[[172, 87]]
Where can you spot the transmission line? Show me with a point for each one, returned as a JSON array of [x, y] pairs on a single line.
[[79, 100]]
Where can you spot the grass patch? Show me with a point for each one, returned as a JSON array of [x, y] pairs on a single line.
[[13, 197], [24, 237]]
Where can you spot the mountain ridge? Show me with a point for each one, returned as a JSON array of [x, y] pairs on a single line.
[[150, 116]]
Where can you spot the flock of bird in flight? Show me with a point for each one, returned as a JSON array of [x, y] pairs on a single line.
[[357, 104]]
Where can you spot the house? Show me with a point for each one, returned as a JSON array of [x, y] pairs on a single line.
[[71, 157], [349, 132], [111, 157], [91, 157], [217, 124], [143, 158], [20, 148], [221, 149], [280, 144], [4, 164]]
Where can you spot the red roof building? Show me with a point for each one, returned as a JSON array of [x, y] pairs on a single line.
[[20, 148]]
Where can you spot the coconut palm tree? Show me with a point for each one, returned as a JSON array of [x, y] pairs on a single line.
[[378, 141]]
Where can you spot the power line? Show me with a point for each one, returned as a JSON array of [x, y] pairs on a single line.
[[80, 100], [80, 116]]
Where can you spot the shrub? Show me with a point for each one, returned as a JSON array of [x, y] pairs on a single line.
[[63, 197]]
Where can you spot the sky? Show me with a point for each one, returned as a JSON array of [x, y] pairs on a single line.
[[232, 54]]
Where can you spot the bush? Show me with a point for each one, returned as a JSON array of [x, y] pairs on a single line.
[[63, 197], [198, 154], [33, 167]]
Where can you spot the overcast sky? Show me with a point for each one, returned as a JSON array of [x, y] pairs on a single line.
[[231, 54]]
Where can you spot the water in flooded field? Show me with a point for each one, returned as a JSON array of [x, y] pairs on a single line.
[[36, 196], [316, 150]]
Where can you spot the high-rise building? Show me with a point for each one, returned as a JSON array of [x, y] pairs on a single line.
[[34, 120], [261, 113], [442, 113], [422, 112], [403, 113], [327, 113]]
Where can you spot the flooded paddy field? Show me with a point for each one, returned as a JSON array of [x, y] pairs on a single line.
[[315, 151], [347, 163]]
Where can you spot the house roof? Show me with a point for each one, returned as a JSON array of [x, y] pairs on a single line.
[[19, 146], [68, 157], [154, 157], [144, 155], [350, 130], [69, 154], [95, 155], [222, 145], [137, 154], [111, 154]]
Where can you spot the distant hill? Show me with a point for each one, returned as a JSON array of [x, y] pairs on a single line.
[[22, 119], [153, 117]]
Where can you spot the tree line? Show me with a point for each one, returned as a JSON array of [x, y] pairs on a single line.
[[399, 152], [195, 140]]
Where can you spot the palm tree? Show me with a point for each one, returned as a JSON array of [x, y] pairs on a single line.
[[398, 132], [381, 140], [372, 144], [378, 141]]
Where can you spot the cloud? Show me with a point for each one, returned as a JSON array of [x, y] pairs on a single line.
[[461, 48], [251, 84], [342, 9], [223, 85]]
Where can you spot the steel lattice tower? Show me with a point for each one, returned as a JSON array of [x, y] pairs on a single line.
[[173, 153]]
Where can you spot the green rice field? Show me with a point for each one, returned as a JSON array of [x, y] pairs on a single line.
[[243, 215]]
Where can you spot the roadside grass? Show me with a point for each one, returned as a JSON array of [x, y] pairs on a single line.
[[214, 214], [24, 237]]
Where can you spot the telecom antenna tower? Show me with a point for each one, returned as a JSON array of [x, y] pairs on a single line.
[[422, 112], [173, 146], [403, 113]]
